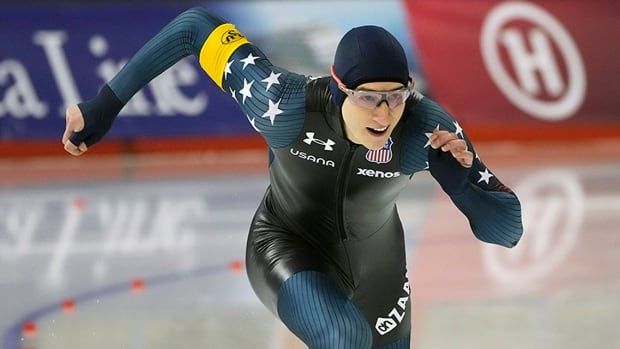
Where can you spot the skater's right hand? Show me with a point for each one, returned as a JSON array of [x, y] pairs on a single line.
[[74, 123], [88, 122]]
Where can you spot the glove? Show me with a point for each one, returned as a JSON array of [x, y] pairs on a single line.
[[99, 114]]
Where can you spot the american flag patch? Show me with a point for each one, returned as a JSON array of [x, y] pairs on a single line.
[[383, 155]]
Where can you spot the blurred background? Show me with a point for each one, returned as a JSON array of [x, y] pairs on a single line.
[[140, 243]]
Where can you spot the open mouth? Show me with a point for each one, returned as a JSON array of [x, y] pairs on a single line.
[[377, 131]]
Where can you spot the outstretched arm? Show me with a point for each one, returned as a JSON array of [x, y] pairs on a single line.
[[493, 210], [271, 98]]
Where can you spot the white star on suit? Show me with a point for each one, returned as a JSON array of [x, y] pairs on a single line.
[[428, 135], [234, 95], [427, 165], [272, 79], [273, 111], [253, 123], [227, 69], [485, 176], [459, 130], [245, 91], [249, 60]]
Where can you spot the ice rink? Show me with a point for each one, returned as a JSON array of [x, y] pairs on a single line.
[[147, 252]]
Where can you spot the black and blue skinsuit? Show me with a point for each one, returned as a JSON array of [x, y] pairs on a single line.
[[325, 251]]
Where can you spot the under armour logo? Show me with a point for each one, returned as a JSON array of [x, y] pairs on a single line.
[[327, 145]]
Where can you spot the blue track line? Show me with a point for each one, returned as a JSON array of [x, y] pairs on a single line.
[[13, 334]]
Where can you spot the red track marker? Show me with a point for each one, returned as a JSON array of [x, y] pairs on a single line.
[[29, 329], [236, 267], [68, 306], [137, 286], [79, 203]]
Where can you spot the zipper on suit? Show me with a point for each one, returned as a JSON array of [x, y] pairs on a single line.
[[342, 183]]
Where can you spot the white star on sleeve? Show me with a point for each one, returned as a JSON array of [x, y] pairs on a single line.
[[234, 95], [485, 176], [428, 135], [253, 123], [227, 69], [249, 60], [272, 79], [459, 130], [273, 111], [245, 91]]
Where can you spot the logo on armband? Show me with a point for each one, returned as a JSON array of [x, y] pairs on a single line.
[[231, 36]]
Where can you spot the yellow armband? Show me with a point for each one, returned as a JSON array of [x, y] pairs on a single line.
[[217, 49]]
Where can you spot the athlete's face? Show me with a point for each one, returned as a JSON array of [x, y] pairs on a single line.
[[371, 127]]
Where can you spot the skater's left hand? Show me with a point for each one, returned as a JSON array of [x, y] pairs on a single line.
[[450, 142]]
